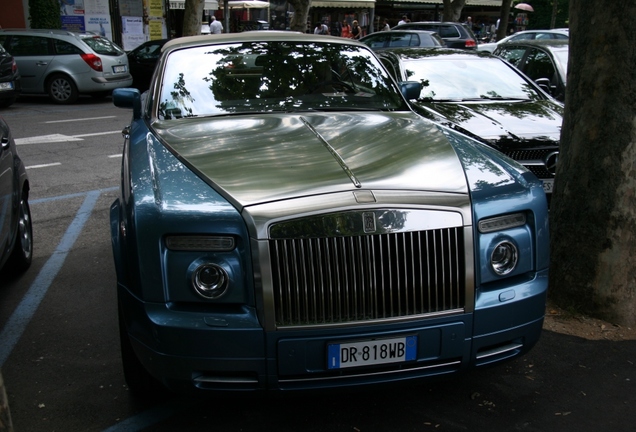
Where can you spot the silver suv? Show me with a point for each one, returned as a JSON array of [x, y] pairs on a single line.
[[65, 64]]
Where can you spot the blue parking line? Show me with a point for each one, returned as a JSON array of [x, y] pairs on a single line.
[[22, 315]]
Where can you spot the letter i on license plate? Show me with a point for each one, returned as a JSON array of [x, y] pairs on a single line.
[[371, 352]]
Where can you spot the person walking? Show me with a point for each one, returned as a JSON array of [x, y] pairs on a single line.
[[386, 26], [356, 30], [321, 29], [215, 26], [346, 30]]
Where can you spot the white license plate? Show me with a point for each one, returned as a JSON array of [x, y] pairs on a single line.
[[119, 69], [371, 352], [548, 185], [6, 86]]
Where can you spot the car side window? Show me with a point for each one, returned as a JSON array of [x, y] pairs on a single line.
[[150, 52], [389, 67], [65, 48], [28, 46], [560, 36], [523, 36], [400, 40], [448, 32], [376, 42], [512, 55], [539, 65]]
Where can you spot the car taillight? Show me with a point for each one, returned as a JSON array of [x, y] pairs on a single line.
[[14, 67], [93, 61], [470, 43]]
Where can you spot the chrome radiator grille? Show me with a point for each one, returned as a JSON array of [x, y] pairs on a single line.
[[359, 278]]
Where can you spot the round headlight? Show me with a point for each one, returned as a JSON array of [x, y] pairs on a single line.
[[504, 258], [210, 281]]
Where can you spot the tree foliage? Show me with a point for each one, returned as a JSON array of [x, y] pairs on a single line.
[[593, 211], [45, 14], [541, 18]]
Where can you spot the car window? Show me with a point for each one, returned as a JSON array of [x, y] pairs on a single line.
[[538, 65], [448, 32], [102, 46], [149, 52], [544, 36], [249, 77], [376, 41], [28, 46], [559, 36], [403, 40], [445, 79], [389, 67], [63, 47], [523, 36], [512, 54]]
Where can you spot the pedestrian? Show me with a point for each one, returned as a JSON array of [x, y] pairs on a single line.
[[215, 26], [404, 20], [321, 29], [356, 30], [386, 26], [469, 22], [346, 30]]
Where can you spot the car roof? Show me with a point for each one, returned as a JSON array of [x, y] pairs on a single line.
[[401, 31], [553, 44], [257, 36], [55, 32]]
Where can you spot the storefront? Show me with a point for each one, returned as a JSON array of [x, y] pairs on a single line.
[[334, 12]]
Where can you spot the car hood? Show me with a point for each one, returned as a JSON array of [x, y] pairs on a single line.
[[253, 159], [505, 126]]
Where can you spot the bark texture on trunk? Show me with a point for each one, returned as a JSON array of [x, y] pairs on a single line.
[[192, 17], [593, 213], [503, 20], [453, 10], [301, 12]]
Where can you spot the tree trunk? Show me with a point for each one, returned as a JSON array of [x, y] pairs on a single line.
[[593, 210], [503, 20], [301, 12], [192, 17], [453, 10]]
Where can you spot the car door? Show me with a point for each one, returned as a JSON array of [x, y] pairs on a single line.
[[6, 188], [538, 65], [33, 55]]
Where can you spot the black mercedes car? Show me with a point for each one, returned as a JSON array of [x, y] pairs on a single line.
[[456, 35], [486, 98], [142, 61], [9, 79]]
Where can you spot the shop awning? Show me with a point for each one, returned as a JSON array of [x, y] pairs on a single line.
[[180, 4], [351, 4], [247, 4], [494, 3]]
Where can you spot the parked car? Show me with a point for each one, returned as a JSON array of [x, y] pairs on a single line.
[[142, 61], [527, 35], [10, 84], [65, 64], [402, 38], [456, 35], [544, 61], [486, 98], [287, 222], [16, 232]]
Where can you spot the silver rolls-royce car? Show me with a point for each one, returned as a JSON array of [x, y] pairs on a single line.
[[287, 222]]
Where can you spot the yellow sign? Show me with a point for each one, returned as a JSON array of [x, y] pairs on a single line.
[[155, 27], [156, 10]]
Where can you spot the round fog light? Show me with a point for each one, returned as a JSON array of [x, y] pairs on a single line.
[[210, 281], [504, 258]]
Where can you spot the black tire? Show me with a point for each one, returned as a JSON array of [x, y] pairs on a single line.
[[62, 89], [138, 379], [22, 253]]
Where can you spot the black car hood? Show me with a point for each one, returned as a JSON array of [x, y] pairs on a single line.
[[505, 126]]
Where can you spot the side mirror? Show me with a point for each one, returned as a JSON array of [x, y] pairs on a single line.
[[128, 98], [544, 83], [410, 89]]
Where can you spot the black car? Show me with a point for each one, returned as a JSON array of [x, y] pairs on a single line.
[[544, 61], [16, 233], [142, 61], [9, 79], [486, 98], [456, 35], [402, 38]]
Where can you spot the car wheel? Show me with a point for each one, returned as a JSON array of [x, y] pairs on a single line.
[[138, 379], [22, 253], [62, 89]]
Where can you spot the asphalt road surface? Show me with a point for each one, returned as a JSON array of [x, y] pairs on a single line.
[[59, 347]]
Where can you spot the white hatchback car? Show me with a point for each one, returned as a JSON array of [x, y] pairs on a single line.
[[525, 35], [65, 64]]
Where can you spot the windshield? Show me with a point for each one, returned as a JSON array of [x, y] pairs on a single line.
[[561, 59], [467, 79], [274, 76]]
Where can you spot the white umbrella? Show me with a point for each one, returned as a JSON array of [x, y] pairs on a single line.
[[247, 4], [520, 6]]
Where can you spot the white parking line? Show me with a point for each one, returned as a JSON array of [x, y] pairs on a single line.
[[115, 156], [82, 119], [43, 139], [44, 165]]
